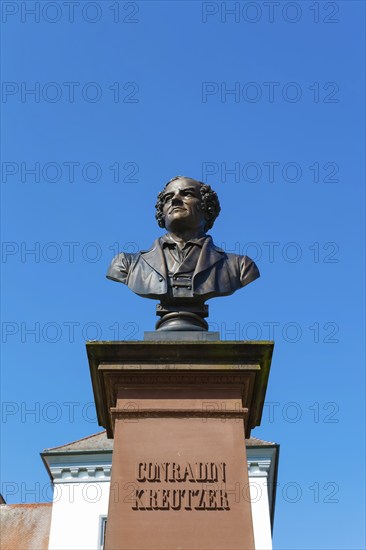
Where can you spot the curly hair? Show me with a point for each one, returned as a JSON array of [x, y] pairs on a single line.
[[209, 202]]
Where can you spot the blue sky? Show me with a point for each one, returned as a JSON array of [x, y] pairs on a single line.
[[266, 105]]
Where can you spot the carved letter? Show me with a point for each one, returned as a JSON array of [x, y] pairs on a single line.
[[138, 505], [141, 469]]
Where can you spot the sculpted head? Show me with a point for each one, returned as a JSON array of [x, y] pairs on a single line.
[[185, 201]]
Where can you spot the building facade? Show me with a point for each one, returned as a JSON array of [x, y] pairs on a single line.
[[81, 472]]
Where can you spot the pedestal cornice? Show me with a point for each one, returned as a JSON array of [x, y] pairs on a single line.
[[170, 364]]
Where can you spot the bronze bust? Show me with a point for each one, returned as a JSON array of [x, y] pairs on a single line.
[[184, 268]]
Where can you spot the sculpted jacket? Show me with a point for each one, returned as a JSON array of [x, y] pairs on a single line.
[[217, 273]]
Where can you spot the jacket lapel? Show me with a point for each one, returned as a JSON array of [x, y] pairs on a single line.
[[155, 258], [209, 256]]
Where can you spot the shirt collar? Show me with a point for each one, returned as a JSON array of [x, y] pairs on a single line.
[[167, 241]]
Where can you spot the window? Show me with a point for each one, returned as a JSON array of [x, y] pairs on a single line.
[[102, 527]]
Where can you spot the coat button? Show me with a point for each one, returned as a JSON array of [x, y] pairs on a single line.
[[189, 287], [161, 279]]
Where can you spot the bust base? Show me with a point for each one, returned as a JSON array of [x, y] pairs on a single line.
[[178, 317], [182, 335]]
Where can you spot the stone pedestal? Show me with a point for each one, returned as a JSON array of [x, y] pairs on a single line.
[[179, 413]]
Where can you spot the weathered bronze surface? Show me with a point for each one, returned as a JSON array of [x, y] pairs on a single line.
[[184, 268]]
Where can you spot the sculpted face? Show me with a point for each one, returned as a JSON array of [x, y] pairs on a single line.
[[182, 205]]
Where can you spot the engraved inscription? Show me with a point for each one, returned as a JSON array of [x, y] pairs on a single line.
[[178, 499], [206, 472], [189, 497]]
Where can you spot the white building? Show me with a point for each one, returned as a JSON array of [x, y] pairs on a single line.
[[80, 473]]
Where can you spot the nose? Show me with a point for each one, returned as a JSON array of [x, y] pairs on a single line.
[[176, 199]]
